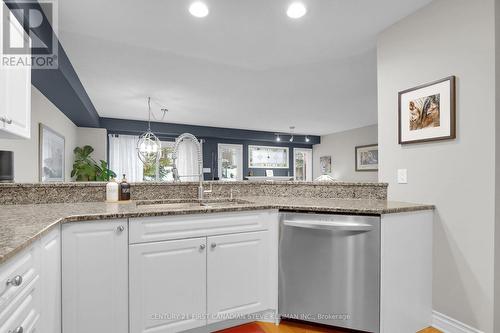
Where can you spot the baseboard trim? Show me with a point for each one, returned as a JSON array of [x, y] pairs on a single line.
[[449, 325]]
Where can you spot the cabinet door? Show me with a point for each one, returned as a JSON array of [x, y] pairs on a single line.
[[50, 273], [15, 90], [167, 286], [94, 277], [238, 275]]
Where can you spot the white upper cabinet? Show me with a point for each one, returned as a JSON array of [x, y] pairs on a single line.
[[167, 286], [238, 269], [15, 92], [95, 277]]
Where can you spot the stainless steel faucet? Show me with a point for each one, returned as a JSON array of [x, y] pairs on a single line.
[[175, 171]]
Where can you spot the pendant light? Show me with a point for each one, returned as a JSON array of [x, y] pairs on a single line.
[[148, 146]]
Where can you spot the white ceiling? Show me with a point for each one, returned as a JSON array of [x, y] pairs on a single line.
[[246, 65]]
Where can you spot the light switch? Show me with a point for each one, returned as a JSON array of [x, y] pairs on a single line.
[[402, 176]]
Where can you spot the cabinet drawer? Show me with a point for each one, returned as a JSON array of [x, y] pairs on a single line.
[[21, 269], [23, 311], [160, 228]]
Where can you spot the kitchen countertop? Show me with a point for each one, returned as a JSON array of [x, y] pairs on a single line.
[[20, 225]]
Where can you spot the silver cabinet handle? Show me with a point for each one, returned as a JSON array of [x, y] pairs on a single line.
[[20, 329], [120, 228], [202, 247], [213, 245], [15, 281]]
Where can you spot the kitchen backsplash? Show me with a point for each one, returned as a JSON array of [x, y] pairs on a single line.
[[96, 191]]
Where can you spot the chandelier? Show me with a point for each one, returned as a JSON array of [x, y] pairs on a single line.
[[148, 145]]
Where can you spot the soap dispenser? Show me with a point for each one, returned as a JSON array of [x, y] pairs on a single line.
[[112, 190], [124, 189]]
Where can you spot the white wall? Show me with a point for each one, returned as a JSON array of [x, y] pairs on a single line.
[[448, 37], [341, 147], [26, 166], [95, 137]]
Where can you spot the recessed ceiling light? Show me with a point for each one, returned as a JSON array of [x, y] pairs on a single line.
[[296, 10], [198, 9]]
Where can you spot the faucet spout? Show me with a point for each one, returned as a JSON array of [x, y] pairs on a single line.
[[175, 171]]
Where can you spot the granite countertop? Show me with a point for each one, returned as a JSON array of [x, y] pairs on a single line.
[[20, 225]]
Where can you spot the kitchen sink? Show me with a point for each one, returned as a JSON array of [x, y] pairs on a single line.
[[187, 204]]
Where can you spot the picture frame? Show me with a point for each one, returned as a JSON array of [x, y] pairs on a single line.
[[51, 155], [325, 164], [427, 112], [268, 157], [366, 157]]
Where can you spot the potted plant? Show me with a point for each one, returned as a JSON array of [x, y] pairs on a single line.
[[85, 168]]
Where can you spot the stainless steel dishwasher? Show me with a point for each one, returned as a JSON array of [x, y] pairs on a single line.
[[330, 270]]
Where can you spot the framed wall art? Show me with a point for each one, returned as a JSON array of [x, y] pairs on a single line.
[[427, 112], [366, 158], [51, 155], [325, 164], [266, 157]]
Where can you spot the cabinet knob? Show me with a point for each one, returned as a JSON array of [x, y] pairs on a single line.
[[15, 281], [202, 247], [213, 245], [120, 228], [19, 329]]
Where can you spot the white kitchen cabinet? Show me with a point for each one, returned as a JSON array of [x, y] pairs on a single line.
[[15, 92], [216, 266], [167, 286], [30, 288], [95, 277], [238, 267], [50, 283]]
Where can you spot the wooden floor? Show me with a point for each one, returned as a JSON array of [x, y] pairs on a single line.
[[292, 327]]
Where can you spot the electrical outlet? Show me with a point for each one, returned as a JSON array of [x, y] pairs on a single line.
[[402, 176], [207, 170]]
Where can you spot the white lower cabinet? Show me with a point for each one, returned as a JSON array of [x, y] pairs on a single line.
[[238, 275], [30, 288], [168, 285], [95, 277], [50, 283], [208, 278]]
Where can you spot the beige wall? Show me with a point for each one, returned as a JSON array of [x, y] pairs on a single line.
[[497, 164], [95, 137], [341, 147], [26, 167], [448, 37]]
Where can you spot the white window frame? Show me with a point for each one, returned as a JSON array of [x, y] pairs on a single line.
[[309, 150], [157, 170], [220, 147]]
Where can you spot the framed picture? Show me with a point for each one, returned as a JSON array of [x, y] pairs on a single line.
[[427, 112], [325, 164], [51, 155], [367, 158], [265, 157]]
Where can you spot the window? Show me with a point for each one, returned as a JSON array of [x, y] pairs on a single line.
[[161, 171], [302, 164], [230, 161]]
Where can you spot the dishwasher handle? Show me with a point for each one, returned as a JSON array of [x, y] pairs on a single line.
[[329, 225]]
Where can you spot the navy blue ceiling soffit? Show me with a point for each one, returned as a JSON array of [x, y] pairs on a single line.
[[169, 130], [62, 85]]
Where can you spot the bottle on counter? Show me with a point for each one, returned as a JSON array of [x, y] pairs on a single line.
[[124, 189], [112, 191]]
